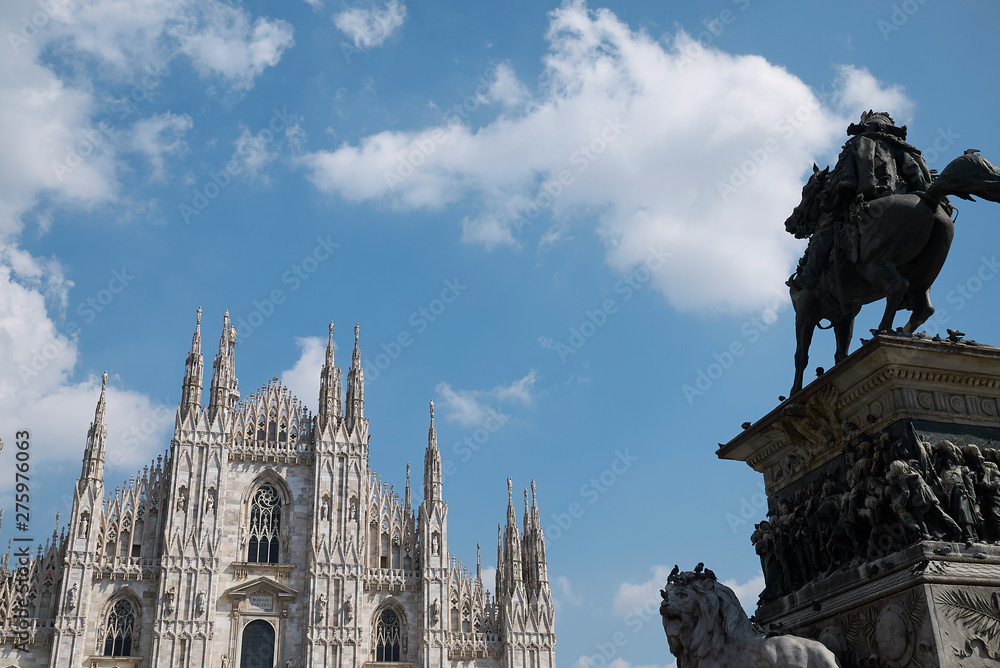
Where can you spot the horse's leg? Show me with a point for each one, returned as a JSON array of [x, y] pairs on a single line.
[[887, 276], [805, 324], [843, 330], [922, 310]]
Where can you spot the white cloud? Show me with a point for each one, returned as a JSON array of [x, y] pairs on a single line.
[[158, 136], [506, 89], [303, 378], [489, 578], [37, 363], [469, 408], [588, 662], [631, 597], [519, 390], [48, 140], [857, 91], [650, 137], [564, 593], [370, 26], [221, 39], [251, 155], [224, 41], [747, 592]]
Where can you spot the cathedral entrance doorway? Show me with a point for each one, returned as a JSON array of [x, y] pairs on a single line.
[[258, 645]]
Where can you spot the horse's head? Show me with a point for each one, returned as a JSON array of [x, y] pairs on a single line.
[[804, 216]]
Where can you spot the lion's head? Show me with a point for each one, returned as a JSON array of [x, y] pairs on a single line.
[[700, 616]]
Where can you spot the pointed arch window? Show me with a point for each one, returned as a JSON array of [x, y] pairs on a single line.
[[265, 525], [120, 628], [388, 640]]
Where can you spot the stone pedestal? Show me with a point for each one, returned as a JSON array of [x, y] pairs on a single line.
[[883, 535]]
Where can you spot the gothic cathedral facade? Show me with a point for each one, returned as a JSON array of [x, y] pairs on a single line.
[[263, 539]]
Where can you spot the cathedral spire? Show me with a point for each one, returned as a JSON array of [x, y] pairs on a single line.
[[511, 518], [539, 566], [225, 387], [329, 386], [498, 587], [511, 543], [432, 464], [525, 521], [194, 368], [355, 386], [406, 499], [93, 456], [479, 567]]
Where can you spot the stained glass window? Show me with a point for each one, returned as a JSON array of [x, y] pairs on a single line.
[[119, 629], [388, 637], [265, 525]]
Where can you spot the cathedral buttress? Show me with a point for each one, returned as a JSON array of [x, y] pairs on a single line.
[[73, 614], [194, 368], [433, 540]]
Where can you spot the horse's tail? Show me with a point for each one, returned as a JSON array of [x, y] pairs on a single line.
[[967, 175]]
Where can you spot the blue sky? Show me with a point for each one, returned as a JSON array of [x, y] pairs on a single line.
[[571, 213]]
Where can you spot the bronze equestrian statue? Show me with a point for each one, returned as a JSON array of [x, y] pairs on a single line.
[[879, 225]]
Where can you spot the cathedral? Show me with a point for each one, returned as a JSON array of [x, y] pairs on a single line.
[[263, 539]]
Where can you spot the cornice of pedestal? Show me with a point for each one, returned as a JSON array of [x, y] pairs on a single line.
[[890, 378]]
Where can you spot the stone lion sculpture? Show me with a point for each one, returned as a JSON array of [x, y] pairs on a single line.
[[707, 628]]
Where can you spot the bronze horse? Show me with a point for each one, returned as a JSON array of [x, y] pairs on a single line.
[[904, 241]]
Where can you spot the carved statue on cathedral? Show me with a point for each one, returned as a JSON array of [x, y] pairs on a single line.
[[321, 603], [168, 601], [71, 599], [199, 604], [348, 609], [435, 612]]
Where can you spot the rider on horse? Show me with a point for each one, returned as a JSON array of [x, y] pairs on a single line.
[[875, 162]]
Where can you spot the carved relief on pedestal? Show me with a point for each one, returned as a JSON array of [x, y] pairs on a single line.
[[891, 631], [978, 615]]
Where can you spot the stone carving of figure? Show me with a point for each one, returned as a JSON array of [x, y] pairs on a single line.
[[348, 609], [354, 508], [435, 544], [989, 501], [435, 612], [199, 604], [84, 525], [286, 539], [916, 505], [762, 539], [225, 661], [959, 490], [210, 503], [182, 499], [321, 609], [71, 599], [168, 600], [324, 508]]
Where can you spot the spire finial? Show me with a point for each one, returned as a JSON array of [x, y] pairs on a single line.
[[357, 328], [102, 402], [534, 501], [510, 491], [432, 412], [198, 326], [331, 332]]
